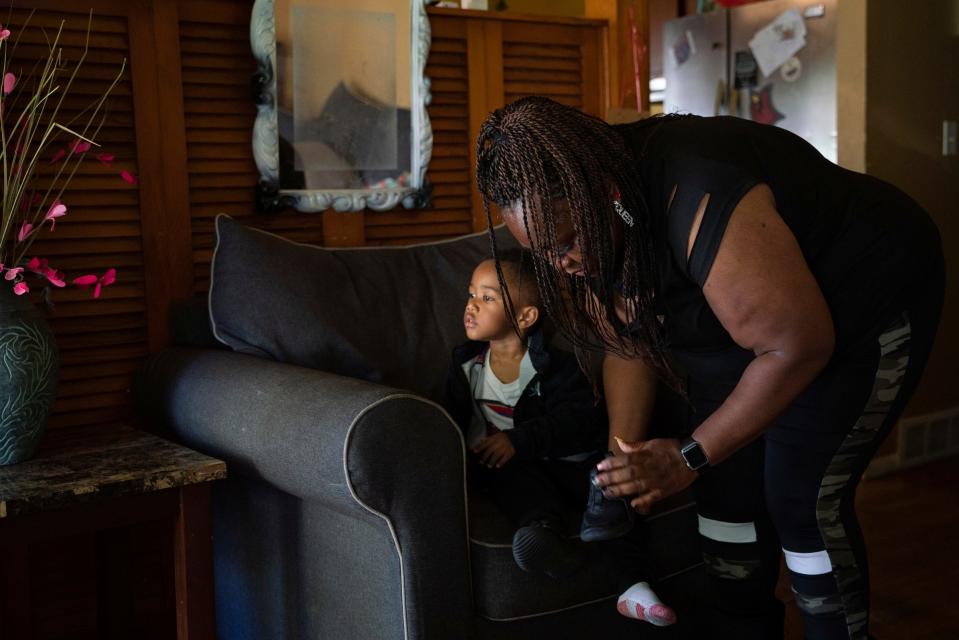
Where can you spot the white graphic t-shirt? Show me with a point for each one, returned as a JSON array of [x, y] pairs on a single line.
[[494, 400]]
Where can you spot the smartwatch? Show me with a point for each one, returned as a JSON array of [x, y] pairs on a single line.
[[694, 455]]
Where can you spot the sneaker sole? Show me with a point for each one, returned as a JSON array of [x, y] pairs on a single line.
[[540, 554]]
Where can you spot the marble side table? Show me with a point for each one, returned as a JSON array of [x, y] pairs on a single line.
[[93, 479]]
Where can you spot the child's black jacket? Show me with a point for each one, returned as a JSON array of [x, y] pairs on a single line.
[[556, 415]]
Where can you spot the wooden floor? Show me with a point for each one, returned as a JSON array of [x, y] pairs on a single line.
[[911, 523]]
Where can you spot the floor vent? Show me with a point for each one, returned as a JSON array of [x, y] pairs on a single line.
[[921, 439]]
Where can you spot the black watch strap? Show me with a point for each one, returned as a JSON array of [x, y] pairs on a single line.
[[694, 455]]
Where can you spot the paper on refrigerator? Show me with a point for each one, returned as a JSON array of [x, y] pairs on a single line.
[[778, 41]]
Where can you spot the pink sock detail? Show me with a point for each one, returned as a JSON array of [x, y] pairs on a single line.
[[661, 615], [641, 603]]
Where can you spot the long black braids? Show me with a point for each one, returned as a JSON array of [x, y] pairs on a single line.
[[535, 151]]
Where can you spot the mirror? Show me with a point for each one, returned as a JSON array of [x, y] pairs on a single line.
[[341, 97]]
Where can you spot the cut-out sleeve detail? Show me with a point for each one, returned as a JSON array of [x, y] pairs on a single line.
[[682, 214], [725, 185], [712, 229]]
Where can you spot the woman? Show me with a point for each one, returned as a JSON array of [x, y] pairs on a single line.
[[793, 303]]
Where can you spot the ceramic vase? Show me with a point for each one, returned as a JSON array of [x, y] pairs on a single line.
[[29, 365]]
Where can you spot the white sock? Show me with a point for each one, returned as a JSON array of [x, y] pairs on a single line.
[[642, 603]]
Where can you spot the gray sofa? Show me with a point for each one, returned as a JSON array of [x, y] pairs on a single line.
[[314, 374]]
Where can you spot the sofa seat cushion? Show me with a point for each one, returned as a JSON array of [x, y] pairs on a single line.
[[663, 546], [390, 315]]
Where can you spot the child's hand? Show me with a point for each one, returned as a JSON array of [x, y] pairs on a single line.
[[495, 450]]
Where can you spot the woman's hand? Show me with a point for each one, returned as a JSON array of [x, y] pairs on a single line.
[[654, 469], [495, 450]]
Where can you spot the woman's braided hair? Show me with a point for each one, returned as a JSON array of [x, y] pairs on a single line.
[[535, 151]]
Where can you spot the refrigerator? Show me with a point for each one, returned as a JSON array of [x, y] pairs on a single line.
[[773, 62]]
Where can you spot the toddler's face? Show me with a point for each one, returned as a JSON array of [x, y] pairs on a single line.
[[485, 315]]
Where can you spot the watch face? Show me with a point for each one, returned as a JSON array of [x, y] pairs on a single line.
[[694, 455]]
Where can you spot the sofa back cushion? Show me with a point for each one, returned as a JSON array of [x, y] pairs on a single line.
[[385, 314]]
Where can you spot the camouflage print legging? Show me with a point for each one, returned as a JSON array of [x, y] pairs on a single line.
[[792, 491]]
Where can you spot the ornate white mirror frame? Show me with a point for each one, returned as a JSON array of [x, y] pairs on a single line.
[[271, 195]]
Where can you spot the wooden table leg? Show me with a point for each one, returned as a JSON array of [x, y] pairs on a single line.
[[15, 612], [116, 581], [193, 565]]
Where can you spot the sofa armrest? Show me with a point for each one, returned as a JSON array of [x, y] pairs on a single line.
[[368, 451]]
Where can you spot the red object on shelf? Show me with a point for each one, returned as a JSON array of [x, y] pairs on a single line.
[[639, 58]]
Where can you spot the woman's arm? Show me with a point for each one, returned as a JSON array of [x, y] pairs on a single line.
[[764, 294], [630, 389]]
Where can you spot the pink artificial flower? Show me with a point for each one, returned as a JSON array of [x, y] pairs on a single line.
[[21, 288], [4, 33], [55, 277], [79, 146], [36, 264], [40, 267], [105, 280], [13, 272], [9, 82], [128, 177], [106, 159], [59, 155], [25, 230], [56, 210]]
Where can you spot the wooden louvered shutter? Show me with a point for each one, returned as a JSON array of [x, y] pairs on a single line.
[[218, 115], [101, 341], [217, 66], [561, 62]]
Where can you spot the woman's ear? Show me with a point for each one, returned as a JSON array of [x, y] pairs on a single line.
[[527, 317]]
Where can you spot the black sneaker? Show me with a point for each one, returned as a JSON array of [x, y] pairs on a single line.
[[604, 519], [540, 547]]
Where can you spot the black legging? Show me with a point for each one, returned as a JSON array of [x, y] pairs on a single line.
[[793, 490]]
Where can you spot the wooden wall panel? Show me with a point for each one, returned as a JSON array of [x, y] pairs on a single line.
[[485, 61]]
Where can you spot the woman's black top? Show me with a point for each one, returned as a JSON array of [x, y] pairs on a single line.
[[867, 243]]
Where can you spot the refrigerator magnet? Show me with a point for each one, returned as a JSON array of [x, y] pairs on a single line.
[[791, 69], [761, 107], [684, 48], [746, 70]]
